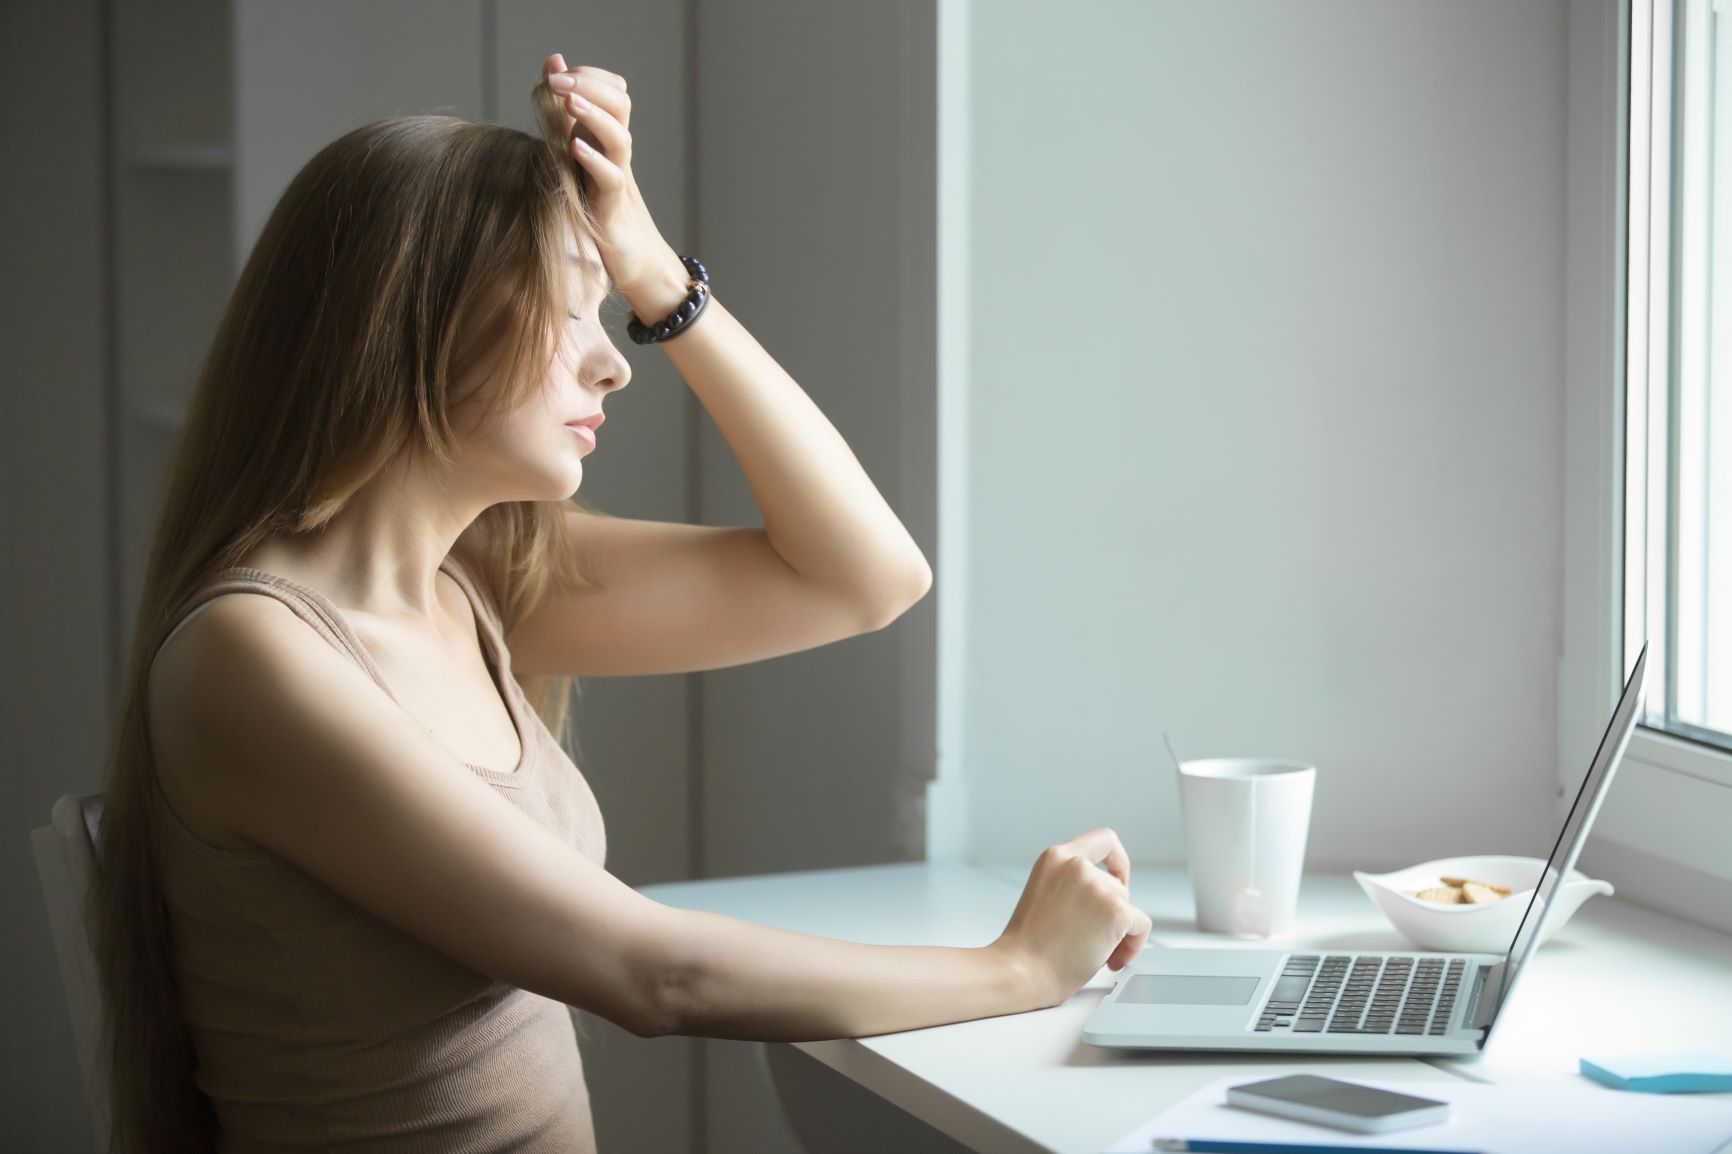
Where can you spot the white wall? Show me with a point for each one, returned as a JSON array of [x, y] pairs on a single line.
[[1265, 419]]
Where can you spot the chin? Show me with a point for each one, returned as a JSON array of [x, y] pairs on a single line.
[[573, 482], [556, 483]]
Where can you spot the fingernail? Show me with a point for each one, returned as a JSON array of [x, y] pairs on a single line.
[[561, 80]]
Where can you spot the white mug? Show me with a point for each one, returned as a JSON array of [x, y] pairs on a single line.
[[1246, 820]]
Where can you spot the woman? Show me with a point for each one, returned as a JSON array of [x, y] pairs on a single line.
[[350, 879]]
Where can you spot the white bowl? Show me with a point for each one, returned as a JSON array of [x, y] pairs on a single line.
[[1488, 928]]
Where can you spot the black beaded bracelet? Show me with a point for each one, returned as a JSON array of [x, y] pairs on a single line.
[[677, 321]]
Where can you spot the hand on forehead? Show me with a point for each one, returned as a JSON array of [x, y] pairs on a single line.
[[556, 63]]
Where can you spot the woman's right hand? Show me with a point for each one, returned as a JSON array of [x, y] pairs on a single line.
[[1073, 917]]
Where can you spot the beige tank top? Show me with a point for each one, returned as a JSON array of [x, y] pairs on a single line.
[[316, 1025]]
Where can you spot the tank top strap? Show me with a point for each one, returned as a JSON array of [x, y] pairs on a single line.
[[491, 629], [327, 619], [312, 610], [486, 611]]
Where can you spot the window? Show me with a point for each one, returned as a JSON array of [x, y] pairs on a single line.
[[1678, 399], [1648, 400]]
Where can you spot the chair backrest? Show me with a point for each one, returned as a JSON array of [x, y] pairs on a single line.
[[66, 865]]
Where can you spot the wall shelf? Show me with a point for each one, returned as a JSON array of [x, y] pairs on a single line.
[[182, 158], [159, 415]]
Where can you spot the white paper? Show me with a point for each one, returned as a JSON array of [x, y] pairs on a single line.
[[1553, 1119]]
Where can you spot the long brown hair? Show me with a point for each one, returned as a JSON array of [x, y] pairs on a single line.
[[396, 258]]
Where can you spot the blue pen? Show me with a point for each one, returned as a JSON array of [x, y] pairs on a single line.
[[1232, 1146]]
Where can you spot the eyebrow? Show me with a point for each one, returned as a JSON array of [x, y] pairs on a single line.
[[575, 259]]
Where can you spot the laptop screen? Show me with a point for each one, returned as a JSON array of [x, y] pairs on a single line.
[[1574, 833]]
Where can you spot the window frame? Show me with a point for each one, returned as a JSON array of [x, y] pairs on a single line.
[[1672, 794]]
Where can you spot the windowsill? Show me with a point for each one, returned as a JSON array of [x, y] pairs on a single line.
[[1662, 750], [1660, 833]]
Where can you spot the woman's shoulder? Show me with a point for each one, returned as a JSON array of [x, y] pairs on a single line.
[[208, 649]]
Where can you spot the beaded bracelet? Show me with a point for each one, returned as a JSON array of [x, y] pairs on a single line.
[[677, 321]]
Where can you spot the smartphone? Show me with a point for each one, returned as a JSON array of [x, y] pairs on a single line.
[[1332, 1102]]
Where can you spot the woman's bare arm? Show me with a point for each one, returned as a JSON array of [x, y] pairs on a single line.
[[292, 747], [746, 981]]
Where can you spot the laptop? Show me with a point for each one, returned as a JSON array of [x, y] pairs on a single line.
[[1348, 1001]]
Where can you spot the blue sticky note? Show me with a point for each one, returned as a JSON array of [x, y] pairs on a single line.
[[1694, 1072]]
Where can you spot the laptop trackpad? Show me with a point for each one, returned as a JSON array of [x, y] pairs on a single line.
[[1189, 989]]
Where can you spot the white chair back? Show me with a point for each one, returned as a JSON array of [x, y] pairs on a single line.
[[66, 865]]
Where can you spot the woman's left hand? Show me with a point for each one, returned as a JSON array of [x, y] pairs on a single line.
[[596, 106]]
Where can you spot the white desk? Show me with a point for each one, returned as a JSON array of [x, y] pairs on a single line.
[[1578, 995], [1028, 1083]]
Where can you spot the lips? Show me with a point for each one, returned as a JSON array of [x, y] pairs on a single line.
[[592, 422]]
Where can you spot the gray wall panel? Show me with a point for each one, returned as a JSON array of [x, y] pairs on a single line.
[[55, 633], [815, 213]]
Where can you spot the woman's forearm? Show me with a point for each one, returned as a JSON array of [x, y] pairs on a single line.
[[751, 982], [821, 512]]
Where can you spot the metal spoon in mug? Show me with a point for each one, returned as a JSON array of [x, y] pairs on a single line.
[[1175, 753], [1252, 908]]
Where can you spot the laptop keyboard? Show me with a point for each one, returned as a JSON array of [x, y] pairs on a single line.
[[1368, 994]]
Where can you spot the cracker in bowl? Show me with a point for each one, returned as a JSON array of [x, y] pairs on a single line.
[[1462, 891], [1501, 891]]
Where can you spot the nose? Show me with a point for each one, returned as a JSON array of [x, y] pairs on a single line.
[[621, 374]]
